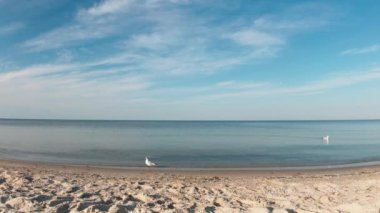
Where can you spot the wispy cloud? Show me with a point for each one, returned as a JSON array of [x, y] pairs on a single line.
[[6, 65], [148, 46], [188, 39], [174, 41], [11, 28], [242, 85], [34, 70], [307, 16], [65, 36], [308, 88], [272, 31], [106, 8], [363, 50], [168, 26], [64, 56], [256, 38], [124, 55], [102, 20], [96, 22], [73, 81], [153, 41], [63, 94]]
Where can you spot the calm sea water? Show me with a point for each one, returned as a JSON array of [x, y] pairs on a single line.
[[191, 143]]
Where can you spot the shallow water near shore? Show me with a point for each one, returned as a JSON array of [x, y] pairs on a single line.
[[191, 144]]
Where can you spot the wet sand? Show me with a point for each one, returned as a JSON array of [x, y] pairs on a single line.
[[41, 187]]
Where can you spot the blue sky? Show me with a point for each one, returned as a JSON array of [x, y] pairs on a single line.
[[182, 59]]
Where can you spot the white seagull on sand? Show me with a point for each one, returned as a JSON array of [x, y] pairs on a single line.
[[326, 139], [149, 163]]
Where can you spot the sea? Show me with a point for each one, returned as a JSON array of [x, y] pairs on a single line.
[[192, 144]]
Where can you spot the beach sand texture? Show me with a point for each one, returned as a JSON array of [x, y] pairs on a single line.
[[32, 187]]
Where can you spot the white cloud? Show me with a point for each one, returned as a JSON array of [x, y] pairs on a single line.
[[270, 30], [78, 87], [35, 70], [66, 96], [102, 20], [95, 22], [357, 51], [84, 80], [340, 81], [266, 22], [234, 91], [64, 56], [256, 38], [68, 35], [11, 28], [309, 88], [188, 36], [71, 85], [297, 18], [189, 61], [151, 41], [107, 7], [172, 40], [6, 65], [242, 85]]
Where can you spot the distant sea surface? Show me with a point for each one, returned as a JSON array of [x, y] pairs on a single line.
[[191, 144]]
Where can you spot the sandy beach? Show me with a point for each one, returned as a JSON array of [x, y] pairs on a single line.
[[38, 187]]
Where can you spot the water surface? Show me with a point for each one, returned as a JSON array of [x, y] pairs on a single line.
[[195, 144]]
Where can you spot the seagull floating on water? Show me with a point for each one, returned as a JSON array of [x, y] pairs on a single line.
[[149, 163], [325, 139]]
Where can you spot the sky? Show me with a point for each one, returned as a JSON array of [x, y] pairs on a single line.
[[190, 60]]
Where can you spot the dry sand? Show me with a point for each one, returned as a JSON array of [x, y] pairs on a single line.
[[37, 187]]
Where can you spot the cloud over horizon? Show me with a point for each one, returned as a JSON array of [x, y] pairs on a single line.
[[139, 56], [363, 50]]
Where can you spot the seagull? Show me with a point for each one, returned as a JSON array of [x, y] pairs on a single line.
[[149, 163], [325, 139]]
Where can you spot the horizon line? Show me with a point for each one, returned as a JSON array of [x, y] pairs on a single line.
[[189, 120]]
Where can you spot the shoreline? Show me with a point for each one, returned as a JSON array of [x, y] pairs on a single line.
[[119, 170], [43, 187], [348, 166]]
